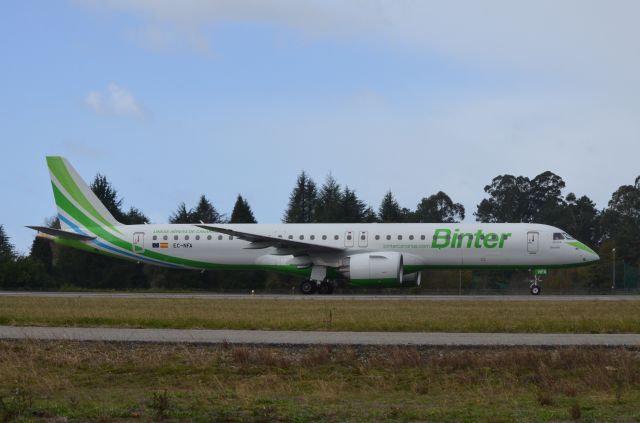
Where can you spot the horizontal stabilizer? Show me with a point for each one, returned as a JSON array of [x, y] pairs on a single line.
[[62, 234]]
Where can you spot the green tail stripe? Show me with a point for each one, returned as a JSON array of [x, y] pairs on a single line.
[[58, 168]]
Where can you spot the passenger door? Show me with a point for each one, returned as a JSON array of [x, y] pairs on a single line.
[[363, 239], [532, 242], [138, 242]]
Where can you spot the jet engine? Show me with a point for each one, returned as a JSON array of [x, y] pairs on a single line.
[[373, 268]]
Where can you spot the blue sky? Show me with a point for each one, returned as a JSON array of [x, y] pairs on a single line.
[[175, 99]]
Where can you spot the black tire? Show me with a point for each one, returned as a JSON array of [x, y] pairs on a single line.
[[326, 288], [535, 290], [308, 287]]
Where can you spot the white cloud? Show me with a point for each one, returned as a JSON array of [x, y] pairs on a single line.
[[115, 100]]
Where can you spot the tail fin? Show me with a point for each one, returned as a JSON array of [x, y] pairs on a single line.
[[77, 204]]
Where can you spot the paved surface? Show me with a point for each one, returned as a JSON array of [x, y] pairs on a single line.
[[353, 297], [309, 337]]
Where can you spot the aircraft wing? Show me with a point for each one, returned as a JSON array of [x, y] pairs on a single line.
[[62, 234], [259, 241]]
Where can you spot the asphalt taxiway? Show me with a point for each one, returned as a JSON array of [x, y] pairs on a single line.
[[349, 297], [197, 336]]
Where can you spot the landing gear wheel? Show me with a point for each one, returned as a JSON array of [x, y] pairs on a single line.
[[326, 288], [535, 289], [308, 287]]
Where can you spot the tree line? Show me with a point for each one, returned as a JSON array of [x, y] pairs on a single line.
[[508, 198]]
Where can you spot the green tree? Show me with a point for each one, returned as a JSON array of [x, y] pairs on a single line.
[[585, 219], [508, 200], [390, 211], [242, 212], [302, 201], [181, 215], [108, 195], [547, 205], [329, 202], [353, 210], [621, 222], [439, 208], [7, 251], [135, 217], [206, 212]]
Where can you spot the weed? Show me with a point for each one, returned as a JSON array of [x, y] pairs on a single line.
[[160, 405], [575, 411], [15, 405]]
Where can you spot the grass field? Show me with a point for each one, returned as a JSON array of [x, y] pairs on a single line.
[[342, 315], [136, 382]]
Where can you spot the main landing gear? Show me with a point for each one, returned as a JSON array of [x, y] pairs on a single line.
[[308, 287]]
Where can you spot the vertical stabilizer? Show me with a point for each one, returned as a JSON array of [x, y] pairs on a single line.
[[77, 204]]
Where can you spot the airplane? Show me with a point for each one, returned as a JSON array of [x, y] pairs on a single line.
[[366, 254]]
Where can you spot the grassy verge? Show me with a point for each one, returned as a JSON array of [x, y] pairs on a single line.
[[342, 315], [124, 382]]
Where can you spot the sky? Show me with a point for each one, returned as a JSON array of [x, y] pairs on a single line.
[[171, 100]]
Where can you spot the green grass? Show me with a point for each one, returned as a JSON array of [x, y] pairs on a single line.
[[338, 315], [142, 382]]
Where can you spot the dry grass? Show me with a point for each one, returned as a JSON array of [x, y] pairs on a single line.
[[117, 382], [345, 315]]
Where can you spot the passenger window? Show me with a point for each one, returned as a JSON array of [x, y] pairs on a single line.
[[388, 237], [197, 237], [377, 237], [336, 237], [324, 237], [399, 237], [362, 237], [411, 237], [301, 237], [349, 237], [312, 237], [155, 237], [230, 237], [422, 237], [165, 237], [290, 236], [557, 236], [175, 237], [209, 237], [186, 237], [219, 237]]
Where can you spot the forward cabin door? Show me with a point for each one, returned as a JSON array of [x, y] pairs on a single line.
[[532, 242], [138, 242], [363, 239]]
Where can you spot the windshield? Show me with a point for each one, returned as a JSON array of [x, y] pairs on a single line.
[[566, 235], [557, 236]]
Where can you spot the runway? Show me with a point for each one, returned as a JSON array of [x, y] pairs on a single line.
[[260, 337], [297, 297]]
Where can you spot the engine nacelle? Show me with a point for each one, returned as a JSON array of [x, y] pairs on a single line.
[[373, 268]]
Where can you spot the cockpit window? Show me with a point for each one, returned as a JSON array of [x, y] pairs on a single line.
[[557, 236], [567, 236]]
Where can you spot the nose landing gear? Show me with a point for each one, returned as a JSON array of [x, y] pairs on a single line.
[[535, 288]]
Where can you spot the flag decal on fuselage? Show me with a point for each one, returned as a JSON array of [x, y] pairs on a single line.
[[160, 245]]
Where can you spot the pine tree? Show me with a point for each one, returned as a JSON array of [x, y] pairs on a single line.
[[353, 209], [329, 202], [302, 201], [181, 215], [7, 251], [390, 211], [205, 212], [107, 194], [242, 212], [135, 217]]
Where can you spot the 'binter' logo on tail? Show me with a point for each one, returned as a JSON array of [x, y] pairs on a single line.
[[78, 206]]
